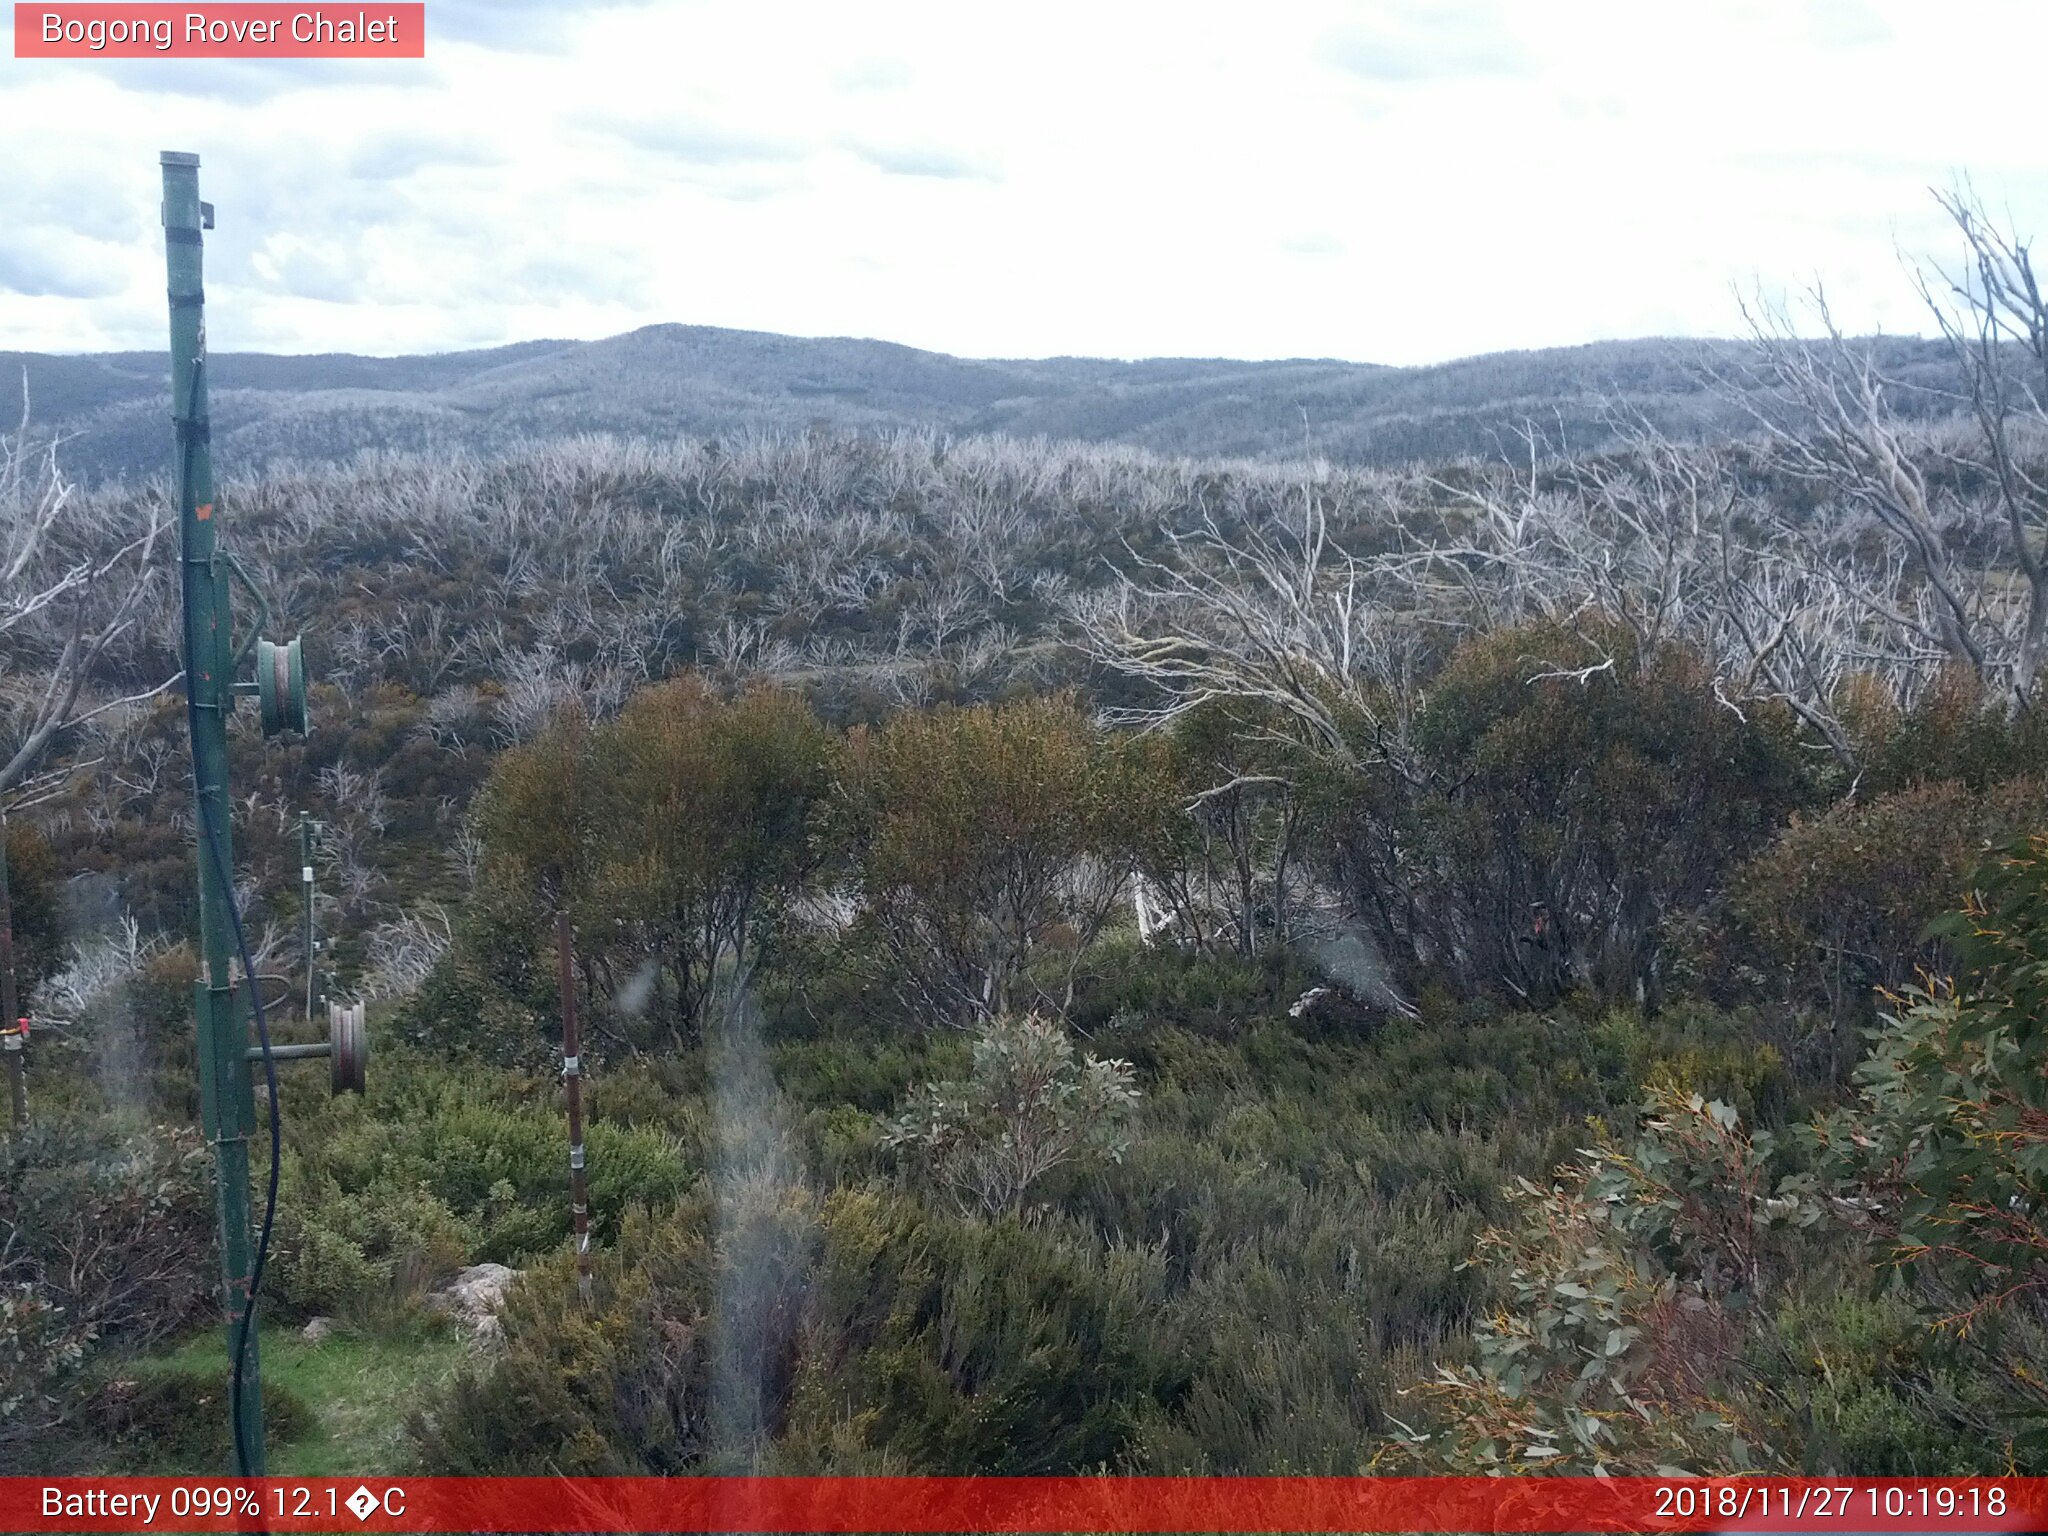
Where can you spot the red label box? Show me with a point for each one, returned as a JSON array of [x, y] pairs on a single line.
[[370, 30], [1019, 1506]]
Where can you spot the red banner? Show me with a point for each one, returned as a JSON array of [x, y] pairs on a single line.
[[1025, 1504], [372, 30]]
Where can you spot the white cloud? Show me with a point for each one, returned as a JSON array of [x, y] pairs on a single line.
[[1394, 181]]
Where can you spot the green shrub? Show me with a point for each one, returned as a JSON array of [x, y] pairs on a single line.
[[111, 1222], [1216, 995], [619, 1388], [36, 906], [1571, 795], [1957, 730], [337, 1252], [466, 1011], [677, 834], [175, 1421], [954, 1345], [991, 847], [441, 1165], [1029, 1105], [131, 1048], [1950, 1128], [912, 1340], [41, 1348], [1840, 905], [106, 1241], [1854, 1384], [1627, 1287], [868, 1071]]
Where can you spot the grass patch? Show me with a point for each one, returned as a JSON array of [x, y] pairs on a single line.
[[355, 1390]]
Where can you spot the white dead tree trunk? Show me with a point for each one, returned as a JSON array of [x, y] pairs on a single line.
[[1272, 614], [1832, 422], [1963, 505], [73, 583], [1996, 321]]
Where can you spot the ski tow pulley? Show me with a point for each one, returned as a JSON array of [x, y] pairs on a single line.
[[347, 1048], [281, 687]]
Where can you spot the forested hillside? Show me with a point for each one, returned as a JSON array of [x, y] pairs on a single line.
[[1091, 958], [701, 381]]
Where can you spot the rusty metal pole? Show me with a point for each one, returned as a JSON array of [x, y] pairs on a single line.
[[572, 1083]]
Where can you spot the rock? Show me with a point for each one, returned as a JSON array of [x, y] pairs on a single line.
[[316, 1330], [481, 1287], [474, 1296]]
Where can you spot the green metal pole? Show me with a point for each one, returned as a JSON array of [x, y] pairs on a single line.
[[226, 1092]]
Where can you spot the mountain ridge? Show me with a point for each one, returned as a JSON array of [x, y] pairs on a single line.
[[671, 379]]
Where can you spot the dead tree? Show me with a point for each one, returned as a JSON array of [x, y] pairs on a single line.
[[1273, 613], [1996, 321], [74, 581], [1964, 505]]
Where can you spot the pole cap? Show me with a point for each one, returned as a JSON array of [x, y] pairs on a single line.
[[177, 157]]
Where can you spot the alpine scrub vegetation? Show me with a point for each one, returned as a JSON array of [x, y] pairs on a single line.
[[1950, 1130], [1101, 961], [1027, 1106], [1637, 1289], [1627, 1285]]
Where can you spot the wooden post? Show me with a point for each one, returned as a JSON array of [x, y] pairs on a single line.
[[572, 1083]]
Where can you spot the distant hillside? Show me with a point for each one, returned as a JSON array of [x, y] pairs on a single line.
[[676, 379]]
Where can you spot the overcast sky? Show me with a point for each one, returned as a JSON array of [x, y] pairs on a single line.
[[1392, 181]]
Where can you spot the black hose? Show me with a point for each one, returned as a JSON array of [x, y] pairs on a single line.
[[236, 1384], [209, 835]]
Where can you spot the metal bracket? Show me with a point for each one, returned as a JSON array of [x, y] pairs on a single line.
[[241, 574]]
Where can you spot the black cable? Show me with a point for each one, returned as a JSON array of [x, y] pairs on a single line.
[[209, 835]]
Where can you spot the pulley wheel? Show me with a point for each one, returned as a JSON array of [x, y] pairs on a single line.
[[348, 1047], [281, 687]]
